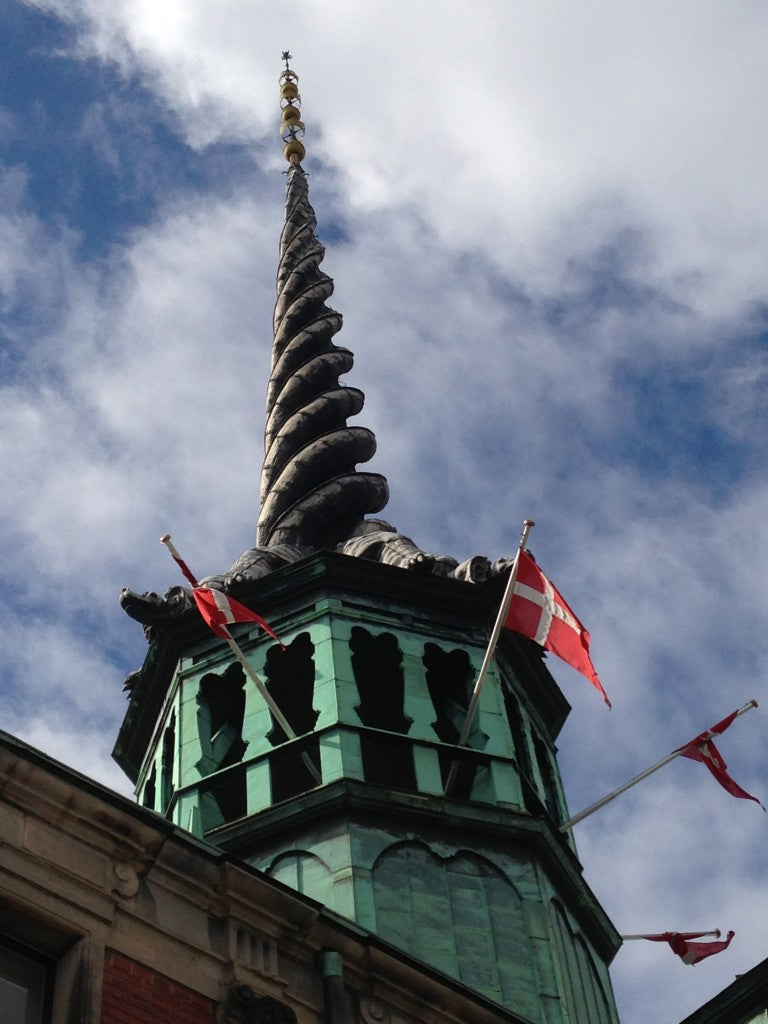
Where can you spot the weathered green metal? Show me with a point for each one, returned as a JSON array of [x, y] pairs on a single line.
[[481, 886]]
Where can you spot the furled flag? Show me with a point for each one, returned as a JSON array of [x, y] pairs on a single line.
[[691, 952], [215, 607], [539, 612], [701, 748], [218, 610]]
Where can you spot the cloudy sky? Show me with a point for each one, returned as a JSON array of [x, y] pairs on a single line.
[[548, 227]]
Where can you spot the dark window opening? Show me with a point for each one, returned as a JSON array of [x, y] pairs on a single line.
[[450, 678], [517, 728], [26, 985], [377, 662], [291, 683], [290, 675], [229, 794], [167, 761], [150, 789], [546, 770], [243, 1004], [220, 715], [531, 798], [289, 774], [386, 763], [449, 681], [378, 670]]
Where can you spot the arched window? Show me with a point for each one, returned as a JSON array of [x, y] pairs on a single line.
[[461, 915], [307, 873]]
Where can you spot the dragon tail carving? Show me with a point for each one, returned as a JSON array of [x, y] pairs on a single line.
[[311, 493]]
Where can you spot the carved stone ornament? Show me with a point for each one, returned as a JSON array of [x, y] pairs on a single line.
[[125, 882], [373, 539], [374, 1012]]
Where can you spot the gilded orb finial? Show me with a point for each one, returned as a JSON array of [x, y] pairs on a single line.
[[291, 125]]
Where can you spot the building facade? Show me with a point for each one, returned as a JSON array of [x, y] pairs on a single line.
[[109, 914]]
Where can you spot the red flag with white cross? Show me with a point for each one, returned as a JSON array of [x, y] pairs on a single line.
[[538, 611]]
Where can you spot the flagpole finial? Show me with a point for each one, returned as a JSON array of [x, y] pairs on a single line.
[[291, 125], [528, 525]]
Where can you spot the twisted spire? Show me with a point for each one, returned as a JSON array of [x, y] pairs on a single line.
[[311, 493]]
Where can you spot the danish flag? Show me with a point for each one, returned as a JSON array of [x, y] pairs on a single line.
[[538, 611], [691, 952], [219, 611], [702, 749]]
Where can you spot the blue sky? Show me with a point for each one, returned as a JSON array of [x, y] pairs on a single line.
[[548, 229]]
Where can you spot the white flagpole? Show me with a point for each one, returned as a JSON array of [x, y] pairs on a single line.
[[716, 933], [639, 778], [498, 625], [277, 714]]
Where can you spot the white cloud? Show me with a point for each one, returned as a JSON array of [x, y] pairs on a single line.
[[541, 207]]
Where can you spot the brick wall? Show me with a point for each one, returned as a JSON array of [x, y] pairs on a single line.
[[135, 994]]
